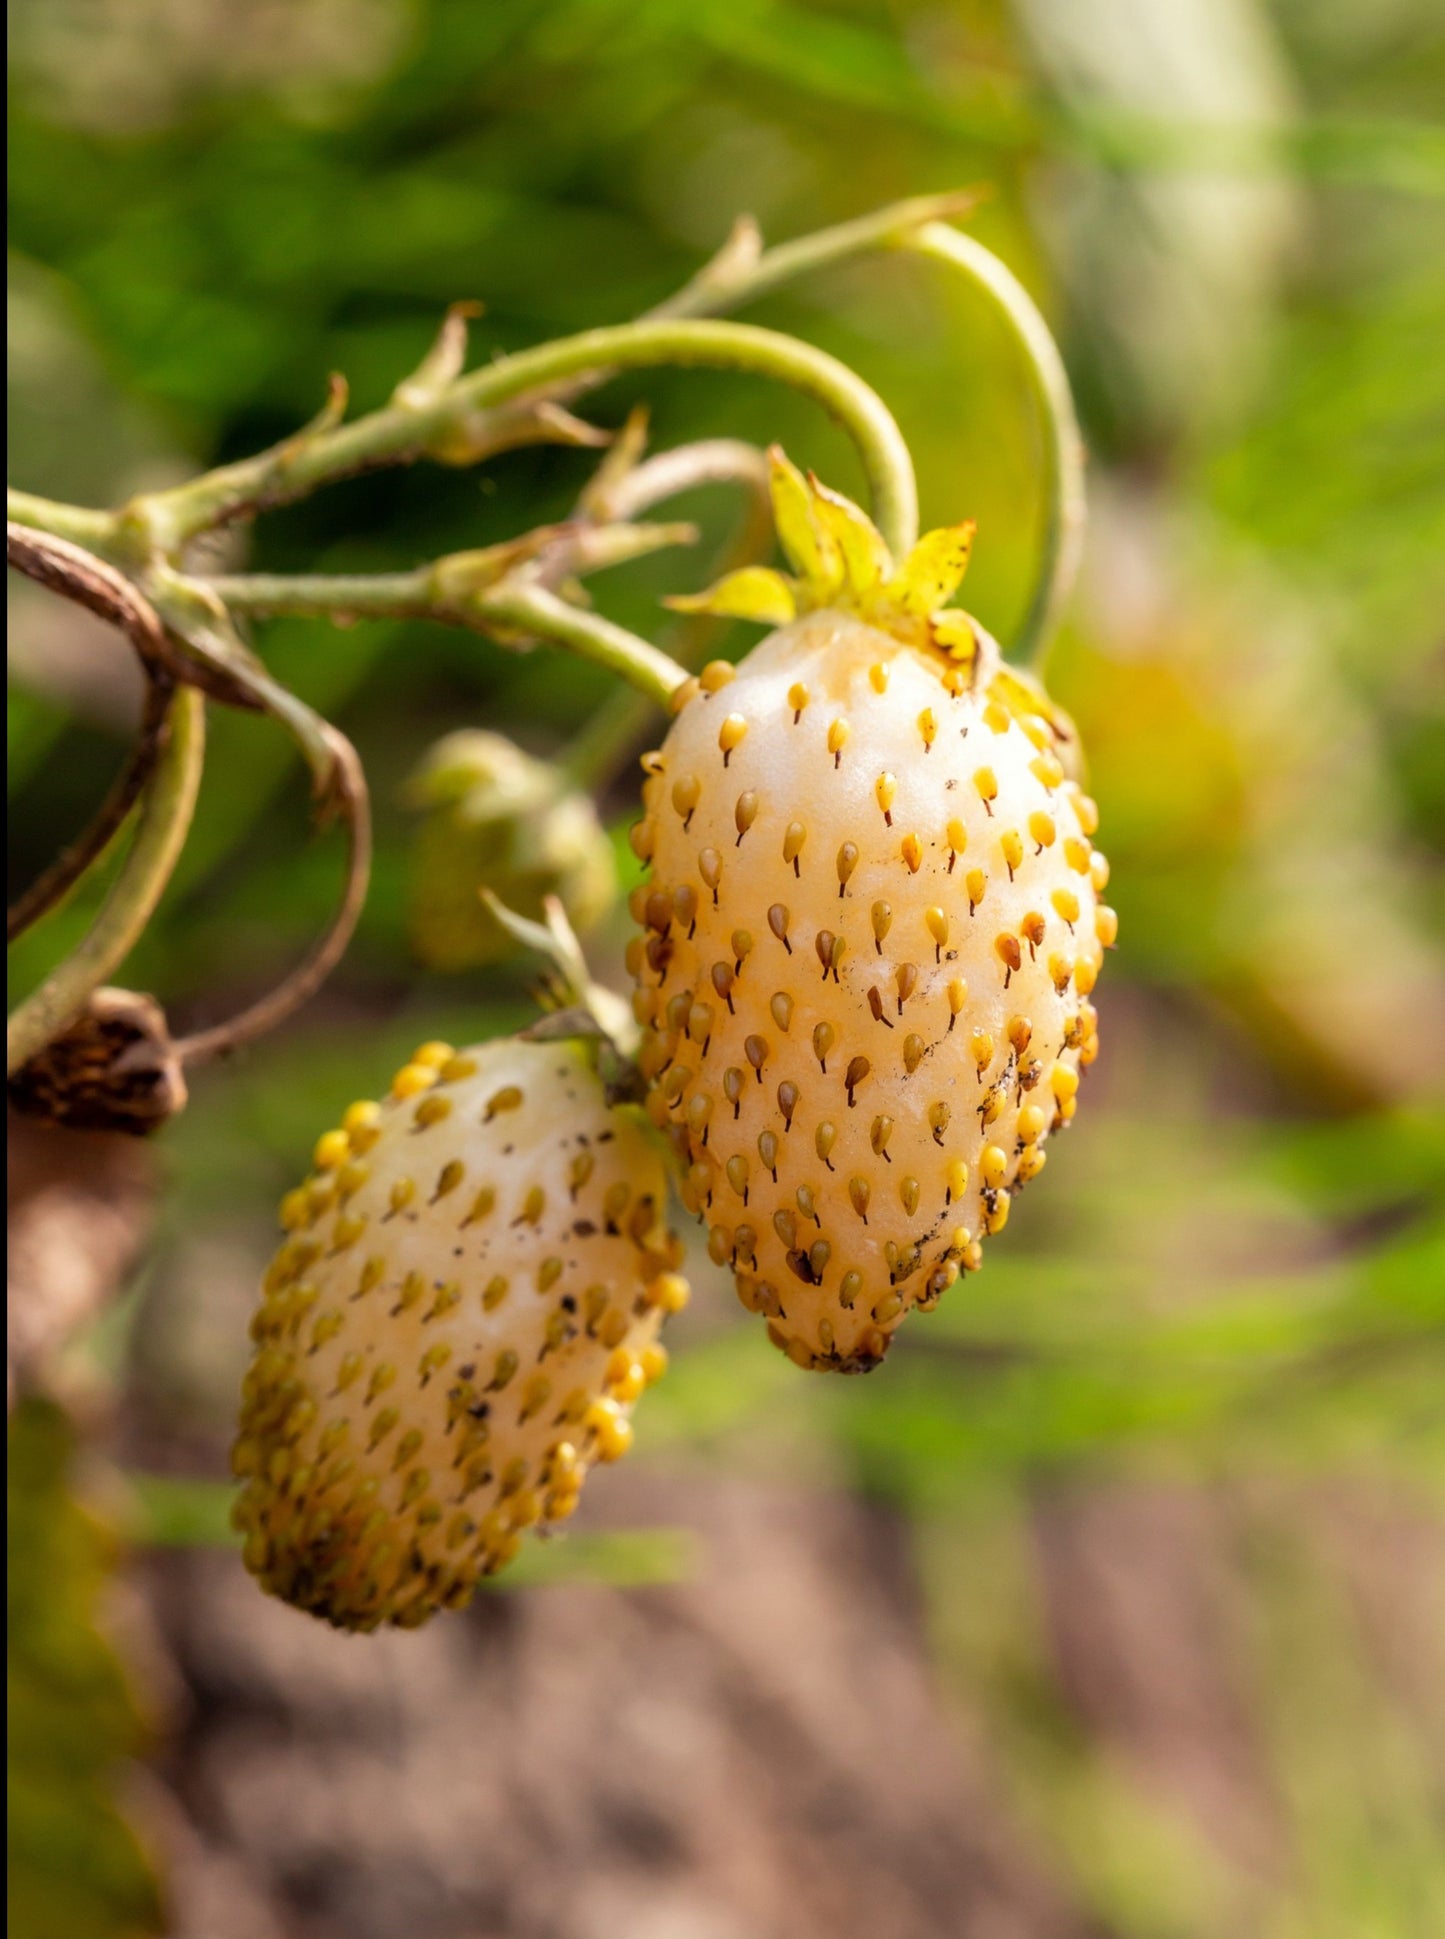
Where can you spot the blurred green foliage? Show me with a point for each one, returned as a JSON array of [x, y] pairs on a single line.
[[1233, 1278], [75, 1865]]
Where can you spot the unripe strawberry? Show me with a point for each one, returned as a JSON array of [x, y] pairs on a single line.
[[457, 1325], [495, 817], [871, 931]]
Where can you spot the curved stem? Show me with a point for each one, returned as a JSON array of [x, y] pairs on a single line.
[[510, 607], [1065, 508], [161, 827], [596, 753], [399, 432], [531, 609], [60, 877], [306, 979]]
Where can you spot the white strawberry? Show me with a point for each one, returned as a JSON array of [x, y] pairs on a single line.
[[463, 1313], [870, 936]]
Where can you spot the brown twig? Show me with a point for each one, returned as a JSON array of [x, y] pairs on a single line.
[[86, 581], [350, 798]]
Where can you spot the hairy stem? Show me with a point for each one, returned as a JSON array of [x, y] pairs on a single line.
[[510, 608], [401, 432], [161, 827]]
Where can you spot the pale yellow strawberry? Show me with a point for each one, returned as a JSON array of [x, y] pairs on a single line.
[[870, 936], [456, 1327]]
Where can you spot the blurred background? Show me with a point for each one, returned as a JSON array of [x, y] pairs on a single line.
[[1113, 1607]]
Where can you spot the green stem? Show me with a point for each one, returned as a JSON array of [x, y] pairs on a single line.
[[509, 608], [532, 609], [161, 827], [95, 530], [1064, 498], [399, 432]]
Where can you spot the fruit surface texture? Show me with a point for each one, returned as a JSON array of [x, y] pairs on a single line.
[[456, 1326], [871, 931]]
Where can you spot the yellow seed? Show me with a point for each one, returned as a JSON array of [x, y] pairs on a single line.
[[612, 1429], [937, 925], [411, 1080], [1031, 1163], [1106, 925], [1031, 1124], [993, 1166], [456, 1068], [913, 1049], [1041, 827], [686, 793], [985, 782], [709, 867], [669, 1292], [996, 717], [824, 1139], [333, 1148], [838, 738], [928, 727], [794, 836], [716, 675], [797, 697], [533, 1206], [824, 1037], [957, 1177], [1012, 847], [361, 1117], [1046, 770], [981, 1044], [433, 1054], [352, 1176], [431, 1110], [847, 862], [911, 849], [976, 885], [1099, 871], [494, 1292], [1066, 903], [908, 1193], [481, 1205], [507, 1099], [885, 788], [295, 1212], [878, 677], [1063, 1082], [1087, 811], [731, 734], [858, 1195], [745, 812]]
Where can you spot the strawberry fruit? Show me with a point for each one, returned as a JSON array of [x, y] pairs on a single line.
[[464, 1310], [870, 934]]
